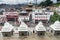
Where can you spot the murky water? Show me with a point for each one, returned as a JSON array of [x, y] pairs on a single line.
[[30, 37]]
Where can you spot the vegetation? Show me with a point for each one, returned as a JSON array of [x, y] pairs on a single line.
[[49, 3], [55, 17], [46, 3], [56, 4]]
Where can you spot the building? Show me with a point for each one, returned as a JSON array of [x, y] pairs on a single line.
[[24, 16], [23, 29], [29, 7], [55, 29], [41, 15], [7, 30], [11, 16], [2, 19], [23, 12], [49, 12], [40, 29]]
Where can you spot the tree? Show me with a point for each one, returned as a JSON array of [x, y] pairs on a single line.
[[55, 17], [46, 3], [41, 4]]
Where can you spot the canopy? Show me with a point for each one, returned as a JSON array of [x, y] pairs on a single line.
[[40, 27], [7, 27], [23, 27], [10, 13], [56, 26]]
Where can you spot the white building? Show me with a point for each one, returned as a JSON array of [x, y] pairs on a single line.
[[23, 29], [49, 13], [24, 16], [7, 30], [40, 15], [40, 29], [55, 29]]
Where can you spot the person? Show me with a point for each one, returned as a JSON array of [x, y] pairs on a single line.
[[33, 31]]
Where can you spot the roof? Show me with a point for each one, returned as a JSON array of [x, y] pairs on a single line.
[[23, 12], [23, 27], [38, 11], [7, 27], [56, 26], [43, 12], [40, 27], [10, 13]]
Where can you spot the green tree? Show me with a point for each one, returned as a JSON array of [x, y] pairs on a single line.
[[55, 17], [46, 3]]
